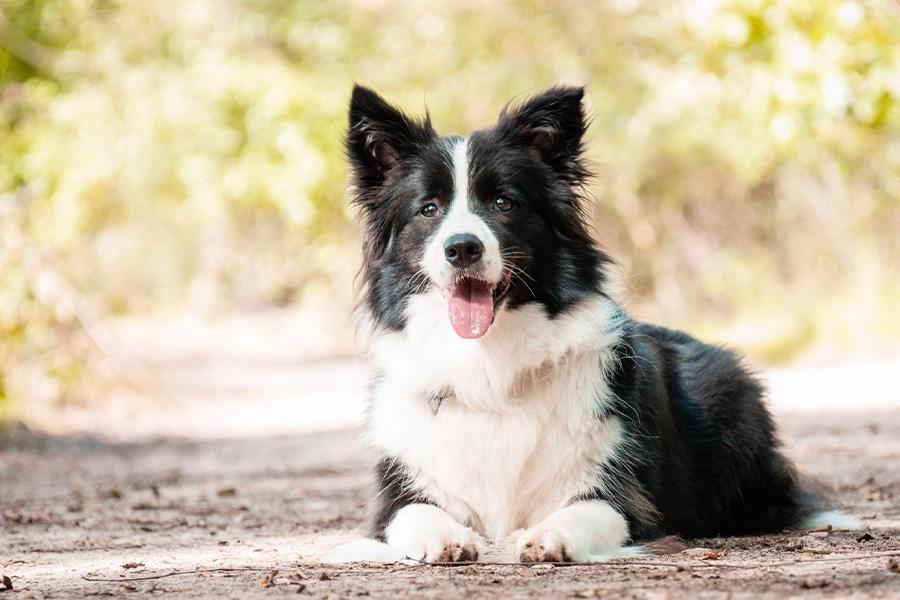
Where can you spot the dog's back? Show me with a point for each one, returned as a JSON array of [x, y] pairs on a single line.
[[708, 452]]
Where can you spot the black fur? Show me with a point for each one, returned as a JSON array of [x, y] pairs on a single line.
[[704, 458], [395, 490], [533, 154]]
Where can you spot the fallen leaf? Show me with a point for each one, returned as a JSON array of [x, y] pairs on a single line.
[[6, 583], [269, 580], [112, 494], [132, 565], [671, 544], [226, 492], [712, 556], [17, 516]]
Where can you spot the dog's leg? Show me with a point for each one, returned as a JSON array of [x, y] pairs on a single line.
[[581, 532], [425, 532]]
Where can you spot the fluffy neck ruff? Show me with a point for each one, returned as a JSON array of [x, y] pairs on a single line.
[[524, 347]]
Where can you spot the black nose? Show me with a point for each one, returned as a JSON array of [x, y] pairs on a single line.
[[463, 249]]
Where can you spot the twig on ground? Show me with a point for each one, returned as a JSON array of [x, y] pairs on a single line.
[[639, 563], [66, 549], [608, 564], [174, 573]]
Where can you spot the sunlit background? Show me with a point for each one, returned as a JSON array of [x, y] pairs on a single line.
[[174, 226]]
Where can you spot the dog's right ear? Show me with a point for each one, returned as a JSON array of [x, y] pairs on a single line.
[[380, 136]]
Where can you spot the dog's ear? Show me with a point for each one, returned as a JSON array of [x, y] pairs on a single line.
[[553, 124], [380, 136]]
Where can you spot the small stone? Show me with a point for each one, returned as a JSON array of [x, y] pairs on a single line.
[[893, 565]]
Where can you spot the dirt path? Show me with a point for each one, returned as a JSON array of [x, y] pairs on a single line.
[[242, 459], [227, 513]]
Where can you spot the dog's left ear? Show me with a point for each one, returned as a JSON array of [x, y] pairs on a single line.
[[552, 123]]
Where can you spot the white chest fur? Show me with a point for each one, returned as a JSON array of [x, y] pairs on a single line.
[[519, 436]]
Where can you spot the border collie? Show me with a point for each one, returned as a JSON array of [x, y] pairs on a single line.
[[513, 398]]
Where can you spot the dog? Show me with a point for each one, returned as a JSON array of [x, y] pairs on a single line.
[[513, 396]]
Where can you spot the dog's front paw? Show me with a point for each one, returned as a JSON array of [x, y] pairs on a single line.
[[543, 544], [454, 548], [588, 530], [425, 532]]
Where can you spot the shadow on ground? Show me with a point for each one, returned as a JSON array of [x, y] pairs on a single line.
[[217, 517]]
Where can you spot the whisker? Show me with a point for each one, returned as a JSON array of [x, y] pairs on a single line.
[[515, 275], [520, 271]]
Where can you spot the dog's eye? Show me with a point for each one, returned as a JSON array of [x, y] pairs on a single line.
[[429, 210], [503, 204]]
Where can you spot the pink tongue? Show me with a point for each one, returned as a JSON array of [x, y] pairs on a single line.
[[471, 308]]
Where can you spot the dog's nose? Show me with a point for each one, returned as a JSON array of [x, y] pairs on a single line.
[[463, 249]]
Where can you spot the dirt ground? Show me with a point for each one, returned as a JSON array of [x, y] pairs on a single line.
[[251, 517], [241, 459]]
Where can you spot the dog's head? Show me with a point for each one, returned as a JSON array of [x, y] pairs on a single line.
[[491, 221]]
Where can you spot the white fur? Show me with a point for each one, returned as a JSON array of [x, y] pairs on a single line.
[[582, 532], [364, 550], [425, 532], [461, 219], [519, 436], [836, 518]]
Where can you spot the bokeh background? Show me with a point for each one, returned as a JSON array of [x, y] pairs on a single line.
[[173, 215]]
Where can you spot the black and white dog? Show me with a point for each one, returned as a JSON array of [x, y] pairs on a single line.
[[513, 396]]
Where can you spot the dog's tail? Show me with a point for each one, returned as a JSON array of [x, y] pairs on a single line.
[[817, 509], [836, 519], [364, 550]]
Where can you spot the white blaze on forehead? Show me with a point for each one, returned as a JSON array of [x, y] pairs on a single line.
[[460, 219], [461, 174]]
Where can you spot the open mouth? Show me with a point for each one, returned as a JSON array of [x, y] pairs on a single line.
[[471, 305]]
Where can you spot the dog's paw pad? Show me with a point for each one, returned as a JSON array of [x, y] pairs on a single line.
[[453, 552], [462, 546], [541, 545], [427, 533]]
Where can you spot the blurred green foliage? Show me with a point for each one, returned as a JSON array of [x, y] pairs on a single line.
[[188, 152]]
